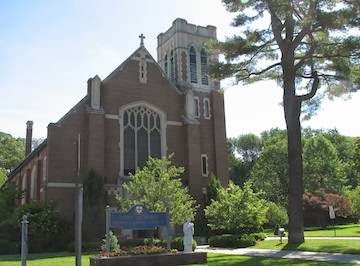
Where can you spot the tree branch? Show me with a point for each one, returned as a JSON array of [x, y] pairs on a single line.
[[307, 28], [313, 91], [308, 54], [264, 70], [276, 26]]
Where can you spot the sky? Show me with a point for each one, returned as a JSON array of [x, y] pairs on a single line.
[[49, 49]]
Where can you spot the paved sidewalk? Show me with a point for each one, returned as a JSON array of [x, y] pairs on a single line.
[[286, 254]]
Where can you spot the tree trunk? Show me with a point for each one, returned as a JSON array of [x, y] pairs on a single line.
[[292, 109]]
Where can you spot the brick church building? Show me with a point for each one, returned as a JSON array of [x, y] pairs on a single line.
[[143, 108]]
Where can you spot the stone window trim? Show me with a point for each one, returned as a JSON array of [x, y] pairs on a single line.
[[204, 165], [206, 108], [163, 123], [197, 113]]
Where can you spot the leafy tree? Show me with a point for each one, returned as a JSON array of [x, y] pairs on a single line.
[[93, 186], [158, 187], [47, 230], [276, 216], [8, 197], [322, 167], [305, 44], [2, 176], [248, 146], [94, 200], [356, 158], [237, 210], [245, 150], [354, 197], [316, 207], [213, 188], [236, 170], [270, 173], [12, 151]]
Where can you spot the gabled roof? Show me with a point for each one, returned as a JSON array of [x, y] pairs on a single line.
[[123, 64], [31, 155]]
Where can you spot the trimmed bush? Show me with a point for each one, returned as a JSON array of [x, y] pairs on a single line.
[[246, 241], [232, 241], [9, 247], [85, 246], [131, 242], [259, 236], [177, 243], [154, 242], [47, 230]]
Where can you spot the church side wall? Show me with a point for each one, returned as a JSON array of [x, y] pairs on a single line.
[[62, 158]]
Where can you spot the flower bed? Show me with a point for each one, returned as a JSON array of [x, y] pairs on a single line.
[[164, 259]]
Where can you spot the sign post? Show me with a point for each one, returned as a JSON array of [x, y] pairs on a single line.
[[107, 229], [24, 239], [78, 223]]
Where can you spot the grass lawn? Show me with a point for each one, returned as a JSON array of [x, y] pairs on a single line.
[[323, 245], [64, 259], [44, 259], [341, 230]]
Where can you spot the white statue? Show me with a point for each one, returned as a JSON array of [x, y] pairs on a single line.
[[188, 229]]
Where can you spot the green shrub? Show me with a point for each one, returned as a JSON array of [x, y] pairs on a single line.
[[9, 247], [131, 242], [154, 242], [246, 241], [47, 230], [85, 246], [232, 241], [236, 209], [276, 216], [178, 243], [259, 236], [224, 241], [114, 243]]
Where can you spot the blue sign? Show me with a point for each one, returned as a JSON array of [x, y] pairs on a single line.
[[138, 218]]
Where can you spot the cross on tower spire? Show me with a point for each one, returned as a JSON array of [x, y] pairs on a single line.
[[142, 37]]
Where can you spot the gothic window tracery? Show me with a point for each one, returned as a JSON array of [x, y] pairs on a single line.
[[142, 137], [204, 67], [193, 70]]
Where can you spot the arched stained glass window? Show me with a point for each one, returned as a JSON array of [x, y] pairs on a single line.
[[142, 137], [193, 71], [204, 68]]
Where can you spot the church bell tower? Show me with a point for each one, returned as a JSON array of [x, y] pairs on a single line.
[[183, 57]]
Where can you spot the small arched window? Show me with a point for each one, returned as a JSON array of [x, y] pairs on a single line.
[[204, 68], [193, 72]]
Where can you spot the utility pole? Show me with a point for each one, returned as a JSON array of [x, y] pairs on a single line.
[[78, 222], [24, 239]]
